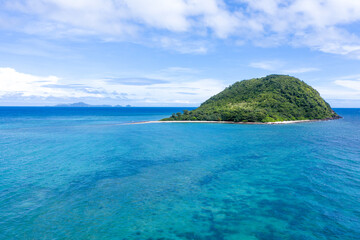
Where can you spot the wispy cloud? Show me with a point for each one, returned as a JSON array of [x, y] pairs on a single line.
[[20, 87], [350, 82], [355, 85], [36, 47], [187, 26], [136, 81], [343, 91], [300, 70], [26, 85], [187, 93], [281, 67], [181, 70], [334, 92], [183, 45], [267, 65]]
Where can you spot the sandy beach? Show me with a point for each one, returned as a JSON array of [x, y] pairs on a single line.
[[229, 122]]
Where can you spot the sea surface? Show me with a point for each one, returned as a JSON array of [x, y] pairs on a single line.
[[84, 173]]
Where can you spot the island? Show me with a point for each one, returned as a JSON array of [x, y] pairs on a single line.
[[274, 98], [82, 104]]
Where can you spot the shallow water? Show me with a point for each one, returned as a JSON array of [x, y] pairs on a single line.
[[78, 173]]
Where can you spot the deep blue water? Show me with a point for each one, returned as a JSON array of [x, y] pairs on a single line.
[[79, 173]]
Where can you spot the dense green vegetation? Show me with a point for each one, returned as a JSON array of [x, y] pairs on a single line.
[[268, 99]]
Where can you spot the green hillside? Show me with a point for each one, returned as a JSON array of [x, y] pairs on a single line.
[[268, 99]]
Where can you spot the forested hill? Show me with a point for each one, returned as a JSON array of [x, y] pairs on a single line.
[[268, 99]]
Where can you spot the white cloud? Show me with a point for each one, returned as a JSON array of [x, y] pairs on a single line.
[[350, 82], [299, 70], [153, 90], [183, 46], [16, 83], [180, 70], [342, 88], [267, 65], [324, 25], [122, 18], [355, 85], [163, 14], [278, 66], [336, 93], [175, 89], [318, 24]]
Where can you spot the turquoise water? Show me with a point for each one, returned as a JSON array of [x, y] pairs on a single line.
[[72, 173]]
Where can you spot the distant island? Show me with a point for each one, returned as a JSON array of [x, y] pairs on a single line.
[[274, 98], [82, 104]]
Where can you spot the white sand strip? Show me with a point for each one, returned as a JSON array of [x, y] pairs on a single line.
[[227, 122]]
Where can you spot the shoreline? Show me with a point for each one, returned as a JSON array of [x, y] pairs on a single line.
[[230, 122]]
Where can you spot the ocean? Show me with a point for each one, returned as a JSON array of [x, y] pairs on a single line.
[[85, 173]]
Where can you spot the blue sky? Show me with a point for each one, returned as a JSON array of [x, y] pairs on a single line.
[[173, 52]]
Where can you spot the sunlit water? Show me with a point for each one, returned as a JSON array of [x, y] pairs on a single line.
[[79, 173]]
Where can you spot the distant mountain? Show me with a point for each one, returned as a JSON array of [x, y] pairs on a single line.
[[269, 99], [82, 104]]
